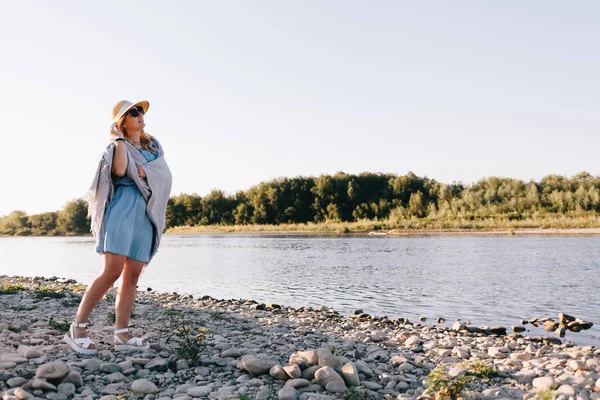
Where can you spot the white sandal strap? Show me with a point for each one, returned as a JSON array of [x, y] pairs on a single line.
[[124, 330], [84, 343], [76, 324]]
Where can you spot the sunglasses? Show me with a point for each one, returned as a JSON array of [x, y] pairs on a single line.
[[135, 112]]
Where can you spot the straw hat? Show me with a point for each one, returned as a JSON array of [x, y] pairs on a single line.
[[123, 106]]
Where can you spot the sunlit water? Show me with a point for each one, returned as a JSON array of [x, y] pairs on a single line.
[[487, 280]]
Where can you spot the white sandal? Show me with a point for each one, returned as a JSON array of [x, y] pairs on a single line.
[[80, 345], [134, 343]]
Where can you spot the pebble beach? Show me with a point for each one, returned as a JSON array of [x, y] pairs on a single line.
[[241, 349]]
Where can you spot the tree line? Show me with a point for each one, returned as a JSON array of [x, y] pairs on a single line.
[[348, 198]]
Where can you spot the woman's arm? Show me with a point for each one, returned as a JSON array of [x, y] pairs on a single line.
[[119, 165]]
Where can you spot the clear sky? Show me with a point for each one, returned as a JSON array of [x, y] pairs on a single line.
[[243, 92]]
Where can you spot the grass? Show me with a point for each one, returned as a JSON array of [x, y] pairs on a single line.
[[20, 307], [42, 292], [62, 327], [444, 386], [9, 288], [354, 394], [547, 394], [480, 369], [13, 328], [190, 339], [480, 224]]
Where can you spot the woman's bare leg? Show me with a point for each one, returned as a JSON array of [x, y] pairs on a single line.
[[126, 295], [112, 269]]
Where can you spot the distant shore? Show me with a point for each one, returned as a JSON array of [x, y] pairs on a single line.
[[313, 229]]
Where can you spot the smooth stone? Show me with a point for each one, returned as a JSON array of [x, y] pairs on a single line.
[[73, 377], [257, 366], [56, 396], [371, 385], [41, 384], [293, 371], [92, 365], [234, 353], [325, 375], [279, 373], [181, 365], [115, 377], [544, 383], [520, 356], [68, 389], [109, 368], [114, 388], [143, 386], [53, 370], [157, 364], [22, 394], [566, 389], [326, 359], [412, 341], [297, 383], [32, 353], [288, 393], [309, 356], [336, 387], [309, 373], [350, 374], [13, 382], [200, 391], [577, 365]]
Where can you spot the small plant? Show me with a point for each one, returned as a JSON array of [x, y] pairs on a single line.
[[44, 291], [111, 317], [547, 394], [72, 302], [189, 338], [353, 394], [444, 386], [9, 288], [62, 327], [481, 370], [13, 328], [20, 307]]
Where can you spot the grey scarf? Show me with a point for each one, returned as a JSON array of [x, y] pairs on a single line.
[[155, 189]]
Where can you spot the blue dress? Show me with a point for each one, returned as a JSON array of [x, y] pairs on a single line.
[[126, 228]]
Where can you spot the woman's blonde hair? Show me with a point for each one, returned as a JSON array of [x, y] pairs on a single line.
[[145, 139]]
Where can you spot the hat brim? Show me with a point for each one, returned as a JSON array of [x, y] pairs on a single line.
[[144, 104]]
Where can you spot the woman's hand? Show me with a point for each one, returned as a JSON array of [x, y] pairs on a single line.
[[141, 172], [115, 132]]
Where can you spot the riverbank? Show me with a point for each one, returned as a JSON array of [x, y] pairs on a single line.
[[256, 351], [342, 229]]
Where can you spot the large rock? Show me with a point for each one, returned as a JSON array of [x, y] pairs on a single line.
[[279, 373], [53, 370], [350, 374], [257, 365], [143, 386], [293, 371], [326, 359], [326, 375], [309, 373], [309, 356], [288, 393]]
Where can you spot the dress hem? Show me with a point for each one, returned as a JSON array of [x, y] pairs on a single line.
[[120, 254]]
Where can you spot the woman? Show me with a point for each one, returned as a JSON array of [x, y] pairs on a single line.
[[127, 203]]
